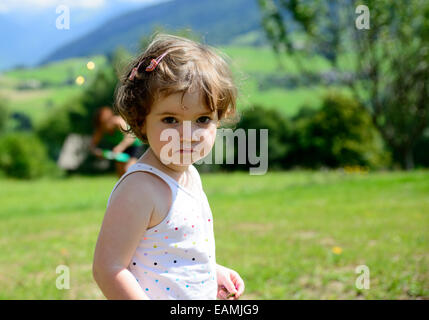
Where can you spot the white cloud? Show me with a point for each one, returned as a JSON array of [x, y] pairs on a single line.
[[3, 8], [26, 5]]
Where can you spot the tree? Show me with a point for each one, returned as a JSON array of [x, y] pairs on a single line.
[[335, 135], [4, 115], [390, 60]]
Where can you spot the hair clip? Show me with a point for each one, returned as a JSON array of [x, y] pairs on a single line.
[[154, 63], [134, 71], [149, 68]]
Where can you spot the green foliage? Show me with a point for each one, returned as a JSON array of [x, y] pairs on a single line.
[[421, 150], [258, 117], [55, 127], [57, 85], [76, 114], [56, 74], [4, 115], [99, 93], [23, 155], [338, 134], [391, 57], [120, 60]]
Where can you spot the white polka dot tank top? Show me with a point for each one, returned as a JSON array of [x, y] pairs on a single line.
[[176, 258]]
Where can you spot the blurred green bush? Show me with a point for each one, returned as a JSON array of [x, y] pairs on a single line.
[[76, 115], [24, 156], [337, 134], [421, 150], [279, 129], [4, 115]]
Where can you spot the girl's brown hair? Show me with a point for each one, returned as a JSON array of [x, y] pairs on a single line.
[[187, 64]]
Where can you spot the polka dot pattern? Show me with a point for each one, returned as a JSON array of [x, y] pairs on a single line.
[[176, 258]]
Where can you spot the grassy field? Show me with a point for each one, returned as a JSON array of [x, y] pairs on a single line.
[[291, 235], [57, 85], [57, 88]]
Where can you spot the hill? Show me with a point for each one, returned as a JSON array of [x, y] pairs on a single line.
[[264, 83], [29, 33], [221, 22]]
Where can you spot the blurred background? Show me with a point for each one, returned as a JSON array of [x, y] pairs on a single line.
[[342, 89]]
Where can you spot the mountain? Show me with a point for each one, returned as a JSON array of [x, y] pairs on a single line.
[[220, 22], [28, 32]]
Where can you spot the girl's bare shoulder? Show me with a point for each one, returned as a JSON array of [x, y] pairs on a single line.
[[144, 188]]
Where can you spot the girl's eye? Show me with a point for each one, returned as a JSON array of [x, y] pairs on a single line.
[[207, 120], [168, 120]]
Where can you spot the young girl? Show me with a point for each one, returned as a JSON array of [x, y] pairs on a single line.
[[156, 240]]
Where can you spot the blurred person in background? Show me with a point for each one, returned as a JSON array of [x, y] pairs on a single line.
[[108, 136]]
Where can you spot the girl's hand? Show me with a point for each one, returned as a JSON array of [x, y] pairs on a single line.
[[230, 286]]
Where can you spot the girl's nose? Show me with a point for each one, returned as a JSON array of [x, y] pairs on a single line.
[[186, 130]]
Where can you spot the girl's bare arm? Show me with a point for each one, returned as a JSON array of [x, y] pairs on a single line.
[[125, 221]]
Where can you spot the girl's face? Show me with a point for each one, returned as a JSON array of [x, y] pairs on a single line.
[[181, 133]]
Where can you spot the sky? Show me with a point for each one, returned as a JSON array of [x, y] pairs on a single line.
[[28, 27], [26, 6]]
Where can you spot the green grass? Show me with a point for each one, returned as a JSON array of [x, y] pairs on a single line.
[[36, 103], [276, 230], [246, 62], [288, 102], [263, 60], [56, 73]]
